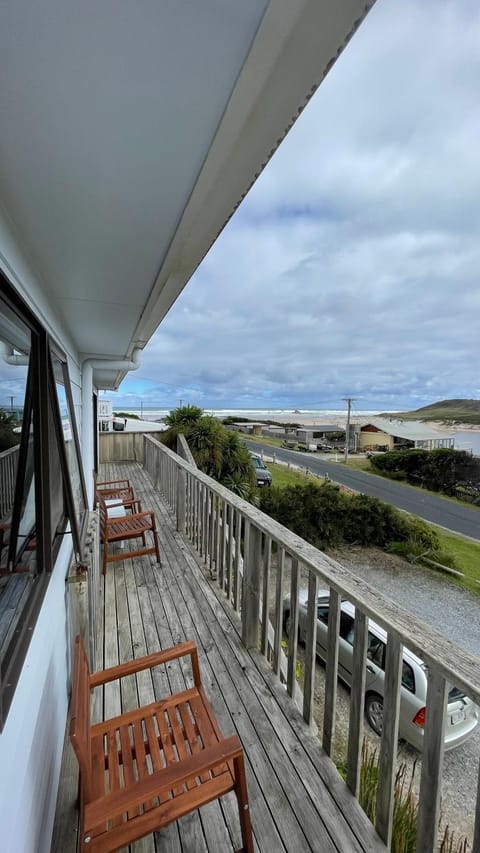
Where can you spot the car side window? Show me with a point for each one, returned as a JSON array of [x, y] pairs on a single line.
[[322, 613], [408, 678], [346, 627], [376, 650]]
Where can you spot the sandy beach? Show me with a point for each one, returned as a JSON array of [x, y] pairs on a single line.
[[341, 420]]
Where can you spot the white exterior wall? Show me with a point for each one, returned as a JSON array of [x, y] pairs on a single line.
[[31, 742]]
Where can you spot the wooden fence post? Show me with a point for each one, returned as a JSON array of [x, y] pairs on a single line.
[[181, 493], [251, 587]]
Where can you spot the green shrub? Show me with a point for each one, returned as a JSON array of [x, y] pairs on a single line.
[[217, 451], [316, 513], [8, 438], [441, 469], [327, 517]]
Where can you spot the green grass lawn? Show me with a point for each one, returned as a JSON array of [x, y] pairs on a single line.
[[358, 463], [283, 476], [261, 439], [467, 556]]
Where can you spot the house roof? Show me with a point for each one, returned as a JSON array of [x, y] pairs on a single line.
[[322, 428], [411, 430], [130, 134]]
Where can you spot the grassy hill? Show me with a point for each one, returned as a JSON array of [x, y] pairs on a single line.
[[448, 411]]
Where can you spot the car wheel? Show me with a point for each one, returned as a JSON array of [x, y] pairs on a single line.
[[374, 712]]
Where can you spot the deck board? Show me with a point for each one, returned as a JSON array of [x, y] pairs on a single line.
[[298, 801]]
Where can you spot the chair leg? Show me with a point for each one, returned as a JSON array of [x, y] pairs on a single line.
[[243, 805], [155, 539]]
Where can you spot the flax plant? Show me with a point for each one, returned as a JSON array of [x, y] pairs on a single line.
[[405, 805]]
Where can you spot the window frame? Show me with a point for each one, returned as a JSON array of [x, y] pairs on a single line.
[[79, 527], [41, 409]]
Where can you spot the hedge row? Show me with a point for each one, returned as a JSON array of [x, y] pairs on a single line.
[[441, 470], [328, 517]]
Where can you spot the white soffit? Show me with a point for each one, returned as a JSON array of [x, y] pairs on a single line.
[[132, 130]]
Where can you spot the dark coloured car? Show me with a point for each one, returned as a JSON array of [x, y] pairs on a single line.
[[264, 478]]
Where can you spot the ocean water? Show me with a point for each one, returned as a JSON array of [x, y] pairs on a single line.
[[264, 414], [464, 439], [468, 440]]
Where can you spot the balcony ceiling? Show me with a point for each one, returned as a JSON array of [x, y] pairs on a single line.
[[130, 133]]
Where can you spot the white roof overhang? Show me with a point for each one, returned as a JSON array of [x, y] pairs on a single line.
[[132, 131]]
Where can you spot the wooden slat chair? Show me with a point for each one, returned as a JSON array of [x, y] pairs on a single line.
[[146, 768], [133, 526], [120, 490]]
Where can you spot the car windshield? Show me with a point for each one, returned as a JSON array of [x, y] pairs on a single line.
[[257, 462]]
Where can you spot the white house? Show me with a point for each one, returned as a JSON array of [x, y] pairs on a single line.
[[388, 433], [130, 134]]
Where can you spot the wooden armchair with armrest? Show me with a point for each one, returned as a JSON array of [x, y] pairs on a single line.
[[135, 525], [146, 768], [118, 490]]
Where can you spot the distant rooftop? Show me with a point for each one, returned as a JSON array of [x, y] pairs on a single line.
[[412, 430]]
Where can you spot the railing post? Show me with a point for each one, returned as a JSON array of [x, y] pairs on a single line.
[[357, 699], [181, 492], [389, 744], [331, 672], [251, 587], [432, 761], [310, 648]]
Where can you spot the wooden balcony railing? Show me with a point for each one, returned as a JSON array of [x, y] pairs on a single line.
[[8, 471], [254, 560]]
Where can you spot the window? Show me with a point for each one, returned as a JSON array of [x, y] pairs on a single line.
[[346, 627], [70, 436], [42, 493], [376, 650], [322, 613]]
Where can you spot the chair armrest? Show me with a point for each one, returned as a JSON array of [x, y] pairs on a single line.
[[131, 517], [124, 502], [125, 484], [103, 676], [113, 804]]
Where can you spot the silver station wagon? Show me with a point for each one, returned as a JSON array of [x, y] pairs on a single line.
[[462, 714]]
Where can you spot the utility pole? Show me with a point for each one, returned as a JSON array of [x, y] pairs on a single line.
[[349, 401]]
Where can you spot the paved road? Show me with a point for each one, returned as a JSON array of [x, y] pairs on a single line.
[[437, 510]]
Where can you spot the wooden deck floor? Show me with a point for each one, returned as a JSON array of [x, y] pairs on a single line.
[[298, 801]]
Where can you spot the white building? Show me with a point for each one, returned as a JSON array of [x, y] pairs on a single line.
[[388, 433], [130, 134], [104, 414]]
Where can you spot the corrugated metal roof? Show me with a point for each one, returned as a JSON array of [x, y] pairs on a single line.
[[411, 430]]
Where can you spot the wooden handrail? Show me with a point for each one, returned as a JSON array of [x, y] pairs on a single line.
[[232, 537]]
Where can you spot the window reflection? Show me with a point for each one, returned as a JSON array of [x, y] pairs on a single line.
[[69, 434], [18, 548]]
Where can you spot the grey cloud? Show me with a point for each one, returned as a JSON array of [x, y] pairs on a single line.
[[352, 266]]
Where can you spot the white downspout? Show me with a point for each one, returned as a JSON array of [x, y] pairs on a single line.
[[88, 366]]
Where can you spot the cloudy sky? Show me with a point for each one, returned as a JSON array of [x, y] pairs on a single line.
[[352, 268]]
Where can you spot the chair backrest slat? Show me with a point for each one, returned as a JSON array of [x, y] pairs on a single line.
[[103, 514], [80, 713]]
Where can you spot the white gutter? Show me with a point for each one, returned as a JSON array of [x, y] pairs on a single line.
[[7, 354], [88, 366]]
